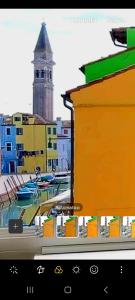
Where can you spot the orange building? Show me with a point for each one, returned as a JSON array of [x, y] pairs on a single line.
[[71, 225], [115, 227], [104, 145], [92, 227], [133, 229], [49, 228], [103, 132]]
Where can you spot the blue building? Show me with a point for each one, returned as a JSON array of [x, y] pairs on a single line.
[[8, 146], [64, 144]]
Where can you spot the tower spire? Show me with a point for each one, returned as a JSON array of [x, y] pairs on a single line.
[[43, 43]]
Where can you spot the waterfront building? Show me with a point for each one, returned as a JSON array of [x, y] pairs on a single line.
[[33, 135], [52, 148], [104, 132], [66, 131], [43, 76], [8, 145], [64, 144]]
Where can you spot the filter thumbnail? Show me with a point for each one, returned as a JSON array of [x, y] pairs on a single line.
[[67, 226], [85, 227]]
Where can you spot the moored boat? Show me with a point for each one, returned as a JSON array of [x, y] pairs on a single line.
[[61, 179], [47, 178], [42, 185], [31, 185], [25, 193]]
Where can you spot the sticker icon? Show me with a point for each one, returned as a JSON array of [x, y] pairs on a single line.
[[94, 270]]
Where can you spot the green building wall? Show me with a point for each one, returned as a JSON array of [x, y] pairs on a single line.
[[130, 37]]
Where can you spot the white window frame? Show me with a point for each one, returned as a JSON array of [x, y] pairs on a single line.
[[11, 146]]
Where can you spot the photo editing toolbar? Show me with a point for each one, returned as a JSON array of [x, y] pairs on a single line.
[[67, 278]]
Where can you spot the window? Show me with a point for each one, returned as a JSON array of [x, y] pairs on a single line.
[[20, 162], [8, 131], [54, 163], [19, 147], [49, 162], [37, 73], [9, 146], [54, 131], [47, 74], [17, 119], [50, 75], [42, 73], [49, 145], [25, 118], [55, 146], [63, 147], [65, 131], [49, 130], [19, 131]]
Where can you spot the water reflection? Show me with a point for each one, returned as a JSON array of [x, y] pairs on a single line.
[[16, 209]]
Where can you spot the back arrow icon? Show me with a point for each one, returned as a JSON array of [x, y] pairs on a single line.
[[106, 289]]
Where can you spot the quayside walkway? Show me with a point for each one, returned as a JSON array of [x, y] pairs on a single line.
[[9, 185]]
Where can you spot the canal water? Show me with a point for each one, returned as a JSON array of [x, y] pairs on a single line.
[[29, 206]]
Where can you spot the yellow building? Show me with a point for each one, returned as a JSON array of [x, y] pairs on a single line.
[[52, 152], [34, 143]]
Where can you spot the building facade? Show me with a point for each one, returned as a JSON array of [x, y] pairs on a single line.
[[30, 143], [66, 132], [64, 144], [8, 146], [34, 143], [43, 76], [52, 148], [104, 132]]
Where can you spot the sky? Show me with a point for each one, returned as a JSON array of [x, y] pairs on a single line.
[[77, 36]]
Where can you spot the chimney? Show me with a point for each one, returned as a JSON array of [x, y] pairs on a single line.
[[124, 36]]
